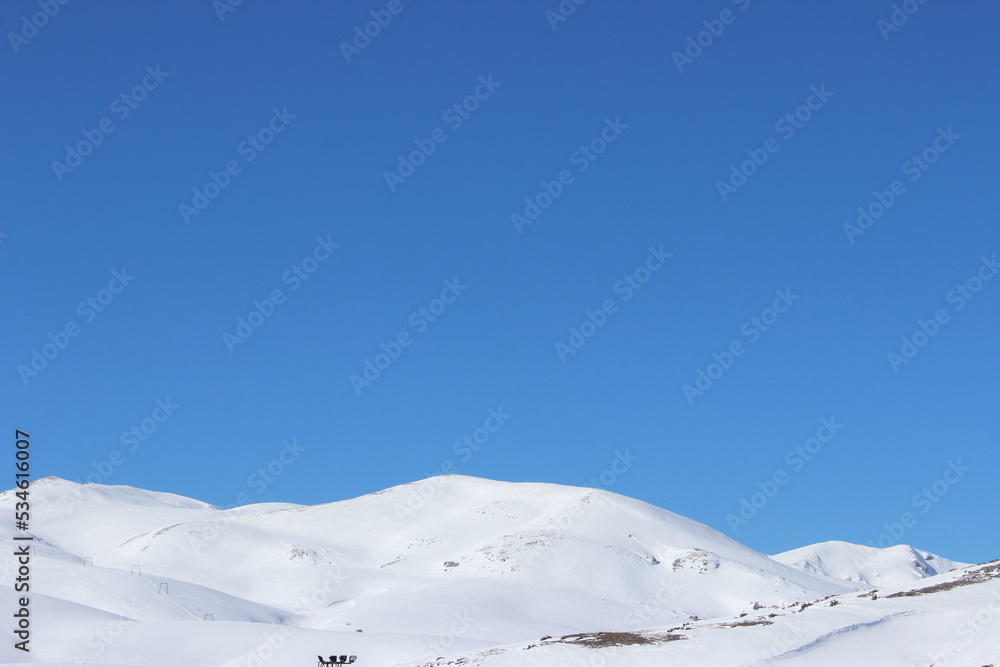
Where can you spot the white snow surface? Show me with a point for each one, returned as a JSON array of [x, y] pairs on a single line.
[[869, 566], [468, 570]]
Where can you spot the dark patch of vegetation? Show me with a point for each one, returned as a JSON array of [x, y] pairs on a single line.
[[609, 639], [438, 663], [989, 571], [746, 623]]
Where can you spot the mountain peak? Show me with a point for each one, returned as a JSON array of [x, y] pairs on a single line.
[[865, 565]]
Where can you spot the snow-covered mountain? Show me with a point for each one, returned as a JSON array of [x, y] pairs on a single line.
[[869, 566], [448, 566]]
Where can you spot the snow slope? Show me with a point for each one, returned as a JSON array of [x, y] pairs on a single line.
[[441, 567], [948, 619]]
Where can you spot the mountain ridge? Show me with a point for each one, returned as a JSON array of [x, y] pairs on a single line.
[[514, 560]]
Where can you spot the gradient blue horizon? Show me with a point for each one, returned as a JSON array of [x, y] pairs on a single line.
[[338, 126]]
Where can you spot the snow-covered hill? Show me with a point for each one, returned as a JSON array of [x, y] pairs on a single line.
[[441, 567], [949, 619], [869, 566]]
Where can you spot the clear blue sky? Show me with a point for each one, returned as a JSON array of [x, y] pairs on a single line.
[[632, 139]]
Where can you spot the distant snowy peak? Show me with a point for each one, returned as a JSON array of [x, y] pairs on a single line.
[[73, 493], [870, 566]]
